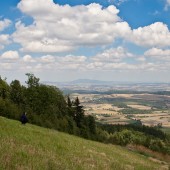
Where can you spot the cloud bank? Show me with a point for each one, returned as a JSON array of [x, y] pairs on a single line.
[[50, 41]]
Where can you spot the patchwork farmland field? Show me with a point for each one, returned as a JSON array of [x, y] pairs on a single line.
[[149, 109]]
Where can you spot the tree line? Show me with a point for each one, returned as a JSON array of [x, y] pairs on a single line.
[[46, 106]]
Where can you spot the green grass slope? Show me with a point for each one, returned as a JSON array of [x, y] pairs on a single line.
[[29, 147]]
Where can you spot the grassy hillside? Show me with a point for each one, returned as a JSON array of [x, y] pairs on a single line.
[[32, 147]]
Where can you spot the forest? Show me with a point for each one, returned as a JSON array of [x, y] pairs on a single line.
[[46, 106]]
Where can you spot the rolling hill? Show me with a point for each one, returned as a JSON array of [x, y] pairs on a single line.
[[36, 148]]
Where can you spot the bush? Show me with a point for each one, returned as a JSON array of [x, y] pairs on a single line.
[[122, 138], [9, 110]]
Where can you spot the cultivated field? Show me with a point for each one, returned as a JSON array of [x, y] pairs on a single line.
[[141, 107], [150, 109]]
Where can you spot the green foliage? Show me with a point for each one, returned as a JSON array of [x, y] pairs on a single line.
[[121, 105], [16, 92], [122, 138], [69, 103], [91, 124], [9, 109], [151, 131], [32, 80], [78, 113], [45, 106], [134, 111], [150, 137], [102, 135], [4, 88]]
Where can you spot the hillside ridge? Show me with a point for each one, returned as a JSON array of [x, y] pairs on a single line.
[[33, 147]]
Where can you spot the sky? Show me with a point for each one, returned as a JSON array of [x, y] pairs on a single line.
[[65, 40]]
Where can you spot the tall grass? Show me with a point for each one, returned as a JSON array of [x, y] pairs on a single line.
[[29, 147]]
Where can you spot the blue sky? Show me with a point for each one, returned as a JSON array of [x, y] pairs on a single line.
[[61, 40]]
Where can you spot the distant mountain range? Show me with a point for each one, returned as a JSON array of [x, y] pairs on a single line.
[[95, 82], [98, 85], [85, 82]]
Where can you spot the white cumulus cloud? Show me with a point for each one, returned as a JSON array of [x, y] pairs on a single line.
[[28, 58], [10, 55], [113, 55], [154, 35], [48, 59], [4, 40], [59, 28], [158, 53], [4, 24]]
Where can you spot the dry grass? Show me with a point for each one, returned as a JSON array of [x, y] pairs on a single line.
[[122, 95], [153, 155], [101, 109]]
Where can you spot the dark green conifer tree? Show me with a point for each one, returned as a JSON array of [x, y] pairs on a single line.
[[79, 113], [69, 103], [91, 124]]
